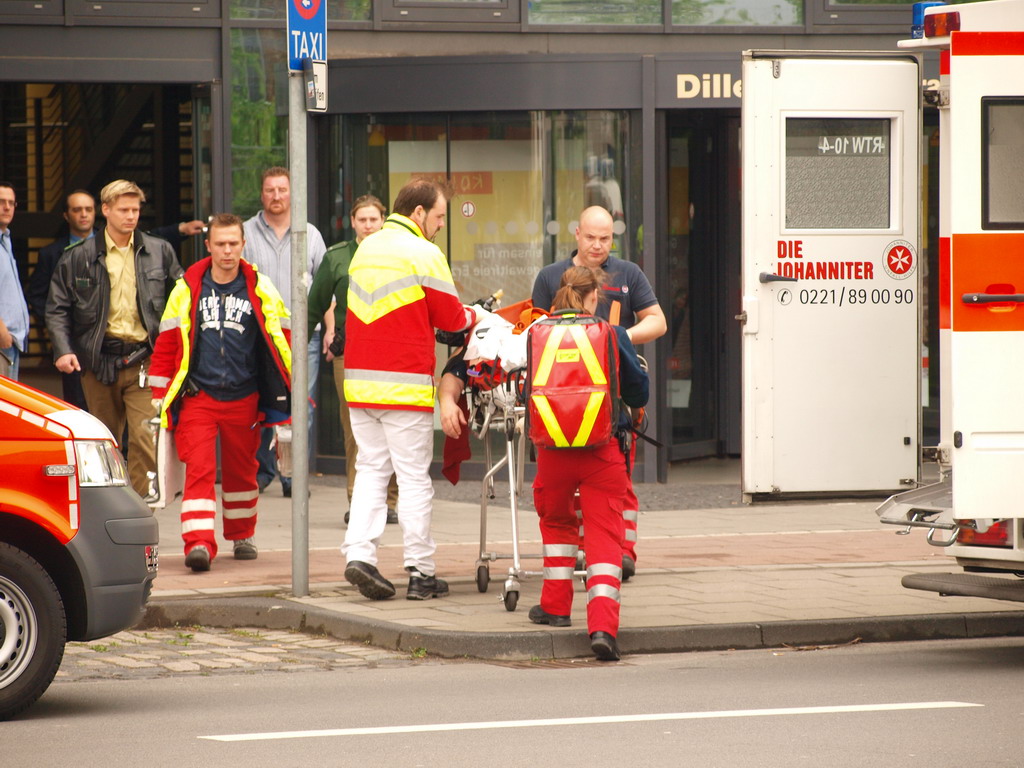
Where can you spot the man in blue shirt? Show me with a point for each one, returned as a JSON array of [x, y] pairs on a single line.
[[13, 309]]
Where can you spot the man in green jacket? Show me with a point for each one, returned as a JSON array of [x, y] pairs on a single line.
[[327, 301]]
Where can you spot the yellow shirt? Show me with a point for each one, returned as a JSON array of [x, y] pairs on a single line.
[[123, 321]]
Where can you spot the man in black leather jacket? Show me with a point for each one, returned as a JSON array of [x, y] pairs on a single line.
[[103, 315]]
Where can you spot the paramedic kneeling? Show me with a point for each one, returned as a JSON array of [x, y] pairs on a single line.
[[600, 475]]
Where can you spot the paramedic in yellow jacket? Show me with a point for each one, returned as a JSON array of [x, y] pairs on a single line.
[[221, 367], [400, 290]]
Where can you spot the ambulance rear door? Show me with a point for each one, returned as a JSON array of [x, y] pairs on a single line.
[[831, 272], [986, 119]]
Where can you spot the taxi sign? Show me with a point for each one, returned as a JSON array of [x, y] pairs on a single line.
[[307, 32]]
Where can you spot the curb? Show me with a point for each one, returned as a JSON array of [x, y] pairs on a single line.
[[278, 613]]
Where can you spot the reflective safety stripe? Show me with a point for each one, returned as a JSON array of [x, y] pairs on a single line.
[[589, 417], [391, 387], [198, 505], [158, 381], [630, 514], [371, 305], [604, 569], [389, 377], [587, 354], [169, 323], [562, 572], [603, 590], [236, 513], [550, 422], [554, 429], [560, 550], [630, 534], [241, 495], [197, 524]]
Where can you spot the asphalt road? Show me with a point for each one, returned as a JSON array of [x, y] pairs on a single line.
[[934, 704]]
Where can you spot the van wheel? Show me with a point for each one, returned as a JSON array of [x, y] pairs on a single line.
[[33, 630]]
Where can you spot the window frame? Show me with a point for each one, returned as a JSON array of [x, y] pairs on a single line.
[[987, 102], [829, 14], [475, 12]]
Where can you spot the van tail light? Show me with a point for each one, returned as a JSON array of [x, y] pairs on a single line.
[[996, 536], [941, 24]]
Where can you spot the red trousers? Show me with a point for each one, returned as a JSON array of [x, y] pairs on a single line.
[[600, 476], [630, 512], [201, 420]]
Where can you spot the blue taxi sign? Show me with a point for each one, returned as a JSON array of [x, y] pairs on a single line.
[[307, 32]]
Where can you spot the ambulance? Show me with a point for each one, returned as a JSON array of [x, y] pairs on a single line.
[[975, 512], [78, 546], [836, 135]]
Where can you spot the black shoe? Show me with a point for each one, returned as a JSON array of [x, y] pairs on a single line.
[[539, 616], [286, 489], [628, 567], [604, 646], [198, 558], [425, 587], [262, 483], [346, 517], [392, 517], [368, 581]]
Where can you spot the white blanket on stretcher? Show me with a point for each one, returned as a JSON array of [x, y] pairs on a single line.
[[492, 339]]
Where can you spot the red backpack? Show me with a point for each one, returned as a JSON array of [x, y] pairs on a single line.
[[572, 381]]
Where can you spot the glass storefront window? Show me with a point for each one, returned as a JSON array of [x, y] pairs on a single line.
[[259, 112], [349, 10], [520, 181], [594, 12], [589, 166], [745, 13]]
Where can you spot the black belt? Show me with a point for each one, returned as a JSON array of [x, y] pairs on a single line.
[[120, 347]]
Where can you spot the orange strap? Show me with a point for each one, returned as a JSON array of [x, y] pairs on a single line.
[[613, 312]]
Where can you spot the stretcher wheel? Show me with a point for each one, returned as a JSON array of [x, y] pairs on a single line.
[[483, 578], [511, 600]]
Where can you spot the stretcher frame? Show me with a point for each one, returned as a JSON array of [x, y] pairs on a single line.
[[498, 410]]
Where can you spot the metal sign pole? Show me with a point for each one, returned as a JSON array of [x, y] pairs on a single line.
[[300, 365]]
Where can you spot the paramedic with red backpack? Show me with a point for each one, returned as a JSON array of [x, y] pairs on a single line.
[[629, 301], [600, 474]]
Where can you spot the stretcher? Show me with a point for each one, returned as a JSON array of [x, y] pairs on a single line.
[[497, 411], [493, 398]]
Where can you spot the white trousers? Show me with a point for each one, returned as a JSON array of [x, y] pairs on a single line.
[[389, 441]]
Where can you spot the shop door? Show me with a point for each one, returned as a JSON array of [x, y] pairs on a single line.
[[702, 274], [830, 274]]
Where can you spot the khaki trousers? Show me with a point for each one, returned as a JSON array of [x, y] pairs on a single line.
[[125, 402]]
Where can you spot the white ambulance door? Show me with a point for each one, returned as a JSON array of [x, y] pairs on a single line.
[[986, 104], [831, 273]]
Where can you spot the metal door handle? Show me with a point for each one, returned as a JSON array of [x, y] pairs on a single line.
[[993, 298], [768, 277]]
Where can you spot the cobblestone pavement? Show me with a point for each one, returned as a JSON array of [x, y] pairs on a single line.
[[191, 651]]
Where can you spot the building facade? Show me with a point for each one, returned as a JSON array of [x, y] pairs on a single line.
[[533, 108]]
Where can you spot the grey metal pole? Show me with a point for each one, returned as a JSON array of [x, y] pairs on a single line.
[[300, 336]]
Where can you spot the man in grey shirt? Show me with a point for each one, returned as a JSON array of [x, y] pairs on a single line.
[[268, 243]]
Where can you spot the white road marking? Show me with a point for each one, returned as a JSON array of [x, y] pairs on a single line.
[[602, 720]]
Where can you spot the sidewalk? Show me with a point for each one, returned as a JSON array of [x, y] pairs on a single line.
[[769, 575]]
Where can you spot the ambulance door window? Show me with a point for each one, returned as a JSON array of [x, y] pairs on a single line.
[[837, 173], [1002, 163]]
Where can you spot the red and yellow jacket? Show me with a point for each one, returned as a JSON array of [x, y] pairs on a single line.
[[400, 290], [173, 351]]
